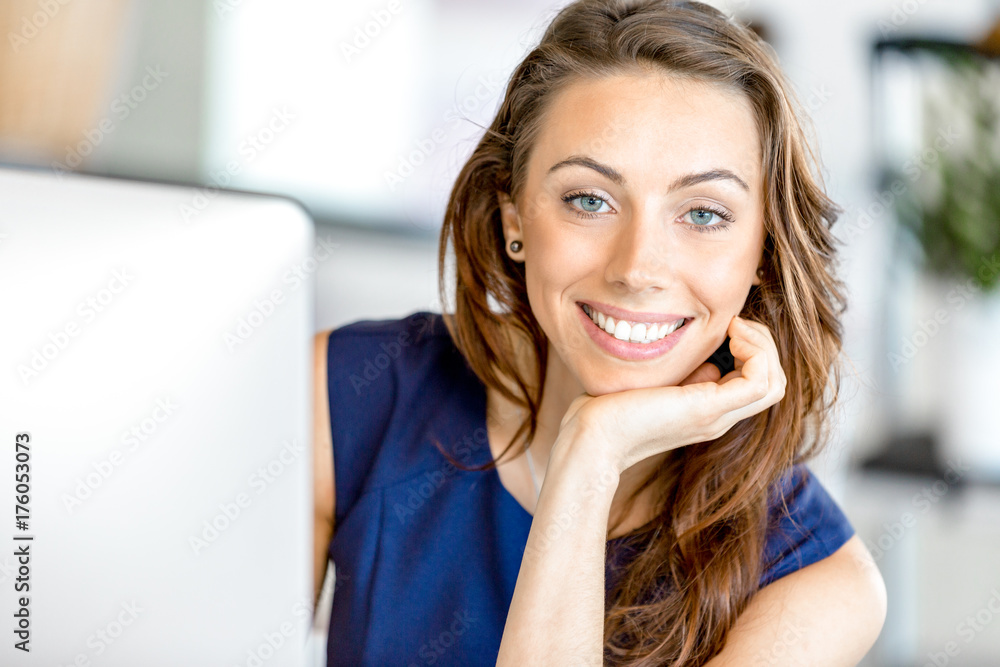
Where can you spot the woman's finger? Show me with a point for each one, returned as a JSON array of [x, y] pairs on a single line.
[[760, 335], [742, 349], [750, 380], [761, 367], [707, 372], [755, 331]]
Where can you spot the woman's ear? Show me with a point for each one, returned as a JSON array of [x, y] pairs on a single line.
[[511, 221]]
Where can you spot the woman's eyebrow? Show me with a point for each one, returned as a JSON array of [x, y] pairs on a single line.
[[610, 173], [617, 178]]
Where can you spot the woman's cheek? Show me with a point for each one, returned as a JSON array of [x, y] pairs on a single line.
[[725, 286]]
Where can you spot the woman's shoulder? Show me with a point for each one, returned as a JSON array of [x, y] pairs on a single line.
[[416, 328], [805, 524], [379, 370], [361, 353], [394, 386]]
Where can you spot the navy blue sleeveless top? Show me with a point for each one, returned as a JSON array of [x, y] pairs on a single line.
[[426, 555]]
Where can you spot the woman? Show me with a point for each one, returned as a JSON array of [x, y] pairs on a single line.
[[643, 202]]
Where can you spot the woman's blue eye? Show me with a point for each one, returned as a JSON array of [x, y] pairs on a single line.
[[588, 203], [703, 217]]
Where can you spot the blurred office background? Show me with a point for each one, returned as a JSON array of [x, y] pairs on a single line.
[[365, 111]]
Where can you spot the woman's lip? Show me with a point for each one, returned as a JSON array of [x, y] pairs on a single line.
[[632, 316], [630, 351]]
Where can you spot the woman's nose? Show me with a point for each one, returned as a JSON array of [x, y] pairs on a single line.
[[640, 256]]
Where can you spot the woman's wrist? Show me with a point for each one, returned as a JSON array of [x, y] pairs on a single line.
[[578, 491], [583, 454]]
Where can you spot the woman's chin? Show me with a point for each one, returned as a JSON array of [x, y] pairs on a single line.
[[624, 383]]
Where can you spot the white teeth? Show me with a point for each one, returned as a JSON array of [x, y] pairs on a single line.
[[622, 330], [640, 332]]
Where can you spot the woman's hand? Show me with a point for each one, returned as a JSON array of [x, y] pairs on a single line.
[[639, 423]]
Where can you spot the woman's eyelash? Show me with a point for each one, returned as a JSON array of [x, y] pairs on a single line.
[[725, 215], [577, 195]]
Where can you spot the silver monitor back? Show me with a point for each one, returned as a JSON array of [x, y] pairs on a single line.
[[155, 419]]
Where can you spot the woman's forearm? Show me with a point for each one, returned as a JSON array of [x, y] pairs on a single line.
[[556, 616]]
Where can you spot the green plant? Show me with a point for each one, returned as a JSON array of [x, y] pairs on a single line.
[[953, 207]]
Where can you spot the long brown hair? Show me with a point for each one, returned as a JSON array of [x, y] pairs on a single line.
[[681, 594]]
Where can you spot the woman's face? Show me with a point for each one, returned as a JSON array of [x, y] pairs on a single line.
[[642, 201]]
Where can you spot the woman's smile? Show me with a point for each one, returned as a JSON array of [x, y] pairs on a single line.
[[646, 337]]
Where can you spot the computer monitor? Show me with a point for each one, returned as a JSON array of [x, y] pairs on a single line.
[[156, 346]]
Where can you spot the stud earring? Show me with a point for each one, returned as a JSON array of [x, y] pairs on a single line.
[[515, 246]]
